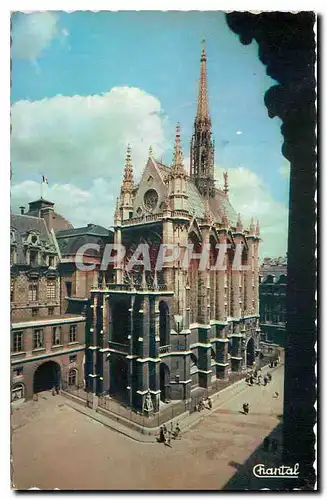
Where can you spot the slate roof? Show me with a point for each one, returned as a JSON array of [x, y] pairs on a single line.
[[91, 229], [22, 225], [70, 240], [197, 203]]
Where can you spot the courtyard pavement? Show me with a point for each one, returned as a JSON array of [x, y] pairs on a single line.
[[55, 446]]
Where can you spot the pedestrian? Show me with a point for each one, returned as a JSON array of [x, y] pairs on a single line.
[[164, 429], [169, 438], [209, 403], [265, 380], [161, 435], [177, 430], [171, 427], [245, 408], [266, 443], [251, 380], [259, 379], [274, 445]]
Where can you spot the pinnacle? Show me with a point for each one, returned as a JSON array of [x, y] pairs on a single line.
[[178, 160], [128, 179]]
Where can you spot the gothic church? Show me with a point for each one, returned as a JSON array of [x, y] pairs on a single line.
[[168, 333]]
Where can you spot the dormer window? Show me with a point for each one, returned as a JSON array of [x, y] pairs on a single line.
[[33, 239], [34, 257]]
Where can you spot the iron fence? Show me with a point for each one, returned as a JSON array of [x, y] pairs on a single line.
[[75, 390], [141, 418], [173, 410]]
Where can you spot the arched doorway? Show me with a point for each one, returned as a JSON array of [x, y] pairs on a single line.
[[164, 382], [250, 356], [118, 378], [46, 377], [164, 323]]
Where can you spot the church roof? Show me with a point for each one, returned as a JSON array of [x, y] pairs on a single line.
[[218, 205]]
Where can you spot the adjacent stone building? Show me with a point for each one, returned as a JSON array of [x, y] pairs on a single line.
[[272, 294], [166, 332], [47, 347], [49, 297]]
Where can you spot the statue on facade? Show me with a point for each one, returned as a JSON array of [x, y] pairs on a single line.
[[148, 405]]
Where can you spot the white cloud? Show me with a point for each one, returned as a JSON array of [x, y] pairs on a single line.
[[79, 206], [79, 141], [85, 136], [251, 198], [32, 33], [285, 170], [239, 132]]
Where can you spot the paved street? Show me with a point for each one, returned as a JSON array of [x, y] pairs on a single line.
[[54, 446]]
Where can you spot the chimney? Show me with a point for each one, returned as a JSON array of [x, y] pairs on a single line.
[[22, 210], [47, 214]]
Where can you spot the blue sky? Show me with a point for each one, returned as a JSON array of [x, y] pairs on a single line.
[[88, 54]]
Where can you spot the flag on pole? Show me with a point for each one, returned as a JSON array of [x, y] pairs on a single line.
[[45, 179]]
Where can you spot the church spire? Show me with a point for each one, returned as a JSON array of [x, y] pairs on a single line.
[[203, 108], [202, 147], [128, 179]]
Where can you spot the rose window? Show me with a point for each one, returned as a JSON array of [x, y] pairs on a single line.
[[151, 199]]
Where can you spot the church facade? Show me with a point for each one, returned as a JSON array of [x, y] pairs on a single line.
[[168, 330]]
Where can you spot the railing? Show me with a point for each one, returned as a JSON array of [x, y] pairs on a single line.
[[164, 348], [180, 213], [119, 409], [144, 218], [119, 347], [75, 390]]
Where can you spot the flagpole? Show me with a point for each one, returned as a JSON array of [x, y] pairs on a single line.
[[42, 187]]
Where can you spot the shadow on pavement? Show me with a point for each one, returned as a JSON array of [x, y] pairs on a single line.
[[244, 478]]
